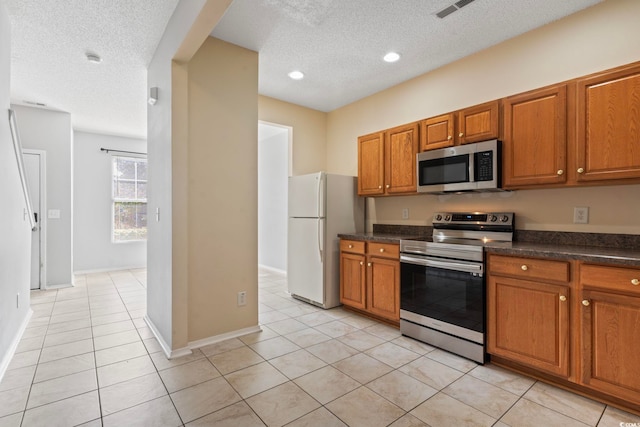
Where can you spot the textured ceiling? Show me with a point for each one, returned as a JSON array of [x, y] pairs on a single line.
[[339, 44], [49, 39]]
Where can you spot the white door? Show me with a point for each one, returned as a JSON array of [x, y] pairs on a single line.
[[305, 260], [33, 165]]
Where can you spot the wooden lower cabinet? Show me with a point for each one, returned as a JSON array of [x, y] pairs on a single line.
[[575, 324], [528, 323], [383, 290], [352, 280], [610, 326], [370, 279]]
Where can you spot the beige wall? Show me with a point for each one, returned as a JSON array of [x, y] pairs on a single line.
[[222, 199], [309, 132], [597, 38]]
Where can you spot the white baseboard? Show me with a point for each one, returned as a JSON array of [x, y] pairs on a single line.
[[275, 270], [166, 348], [60, 286], [106, 270], [6, 359], [185, 351], [226, 336]]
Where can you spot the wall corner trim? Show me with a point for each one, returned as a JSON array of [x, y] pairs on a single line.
[[6, 358], [166, 349], [222, 337]]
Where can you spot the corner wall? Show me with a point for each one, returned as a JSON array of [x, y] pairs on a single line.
[[309, 132], [93, 249], [223, 189], [167, 133], [15, 251], [50, 131], [597, 38]]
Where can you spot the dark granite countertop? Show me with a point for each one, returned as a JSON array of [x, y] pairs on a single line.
[[597, 254], [620, 249], [379, 237]]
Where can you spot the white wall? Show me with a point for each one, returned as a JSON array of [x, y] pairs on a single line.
[[273, 173], [15, 250], [93, 207], [50, 131]]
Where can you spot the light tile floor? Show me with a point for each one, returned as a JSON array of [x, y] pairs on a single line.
[[88, 358]]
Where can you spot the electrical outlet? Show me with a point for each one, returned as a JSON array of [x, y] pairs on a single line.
[[581, 215], [405, 213], [242, 298]]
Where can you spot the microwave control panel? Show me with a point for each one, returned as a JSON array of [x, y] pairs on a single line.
[[484, 166]]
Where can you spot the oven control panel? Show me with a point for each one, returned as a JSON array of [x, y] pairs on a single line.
[[473, 218]]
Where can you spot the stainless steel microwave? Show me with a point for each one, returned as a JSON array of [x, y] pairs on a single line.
[[463, 168]]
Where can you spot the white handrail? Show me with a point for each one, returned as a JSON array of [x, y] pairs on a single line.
[[17, 146]]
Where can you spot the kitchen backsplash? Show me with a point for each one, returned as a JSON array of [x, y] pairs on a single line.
[[628, 241]]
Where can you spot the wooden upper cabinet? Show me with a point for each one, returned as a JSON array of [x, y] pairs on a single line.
[[401, 147], [535, 138], [608, 133], [479, 123], [371, 164], [437, 132]]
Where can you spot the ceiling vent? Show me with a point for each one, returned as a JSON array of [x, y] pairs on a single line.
[[454, 7]]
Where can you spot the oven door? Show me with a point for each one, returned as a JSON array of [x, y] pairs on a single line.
[[446, 295]]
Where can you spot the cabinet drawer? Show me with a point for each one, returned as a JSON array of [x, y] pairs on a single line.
[[613, 278], [385, 250], [530, 268], [353, 246]]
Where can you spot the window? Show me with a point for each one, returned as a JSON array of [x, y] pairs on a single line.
[[129, 199]]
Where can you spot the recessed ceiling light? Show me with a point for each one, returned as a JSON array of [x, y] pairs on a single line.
[[93, 57], [296, 75], [391, 57]]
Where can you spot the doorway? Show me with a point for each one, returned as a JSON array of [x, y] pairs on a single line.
[[274, 169], [35, 171]]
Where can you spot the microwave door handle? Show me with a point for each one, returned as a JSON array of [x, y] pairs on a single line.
[[472, 170]]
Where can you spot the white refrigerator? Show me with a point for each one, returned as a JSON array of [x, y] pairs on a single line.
[[321, 205]]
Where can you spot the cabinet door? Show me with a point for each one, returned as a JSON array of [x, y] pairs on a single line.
[[535, 138], [479, 123], [383, 288], [609, 125], [528, 322], [437, 132], [610, 331], [401, 148], [352, 280], [371, 164]]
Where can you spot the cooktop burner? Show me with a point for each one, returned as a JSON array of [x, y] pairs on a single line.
[[462, 235]]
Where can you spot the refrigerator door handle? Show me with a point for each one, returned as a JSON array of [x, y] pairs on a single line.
[[320, 233], [320, 196]]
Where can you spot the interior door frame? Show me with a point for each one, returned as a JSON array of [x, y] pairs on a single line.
[[42, 224]]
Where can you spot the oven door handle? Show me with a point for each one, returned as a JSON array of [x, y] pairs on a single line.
[[449, 265]]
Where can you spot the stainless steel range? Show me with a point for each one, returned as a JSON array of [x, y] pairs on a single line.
[[442, 284]]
